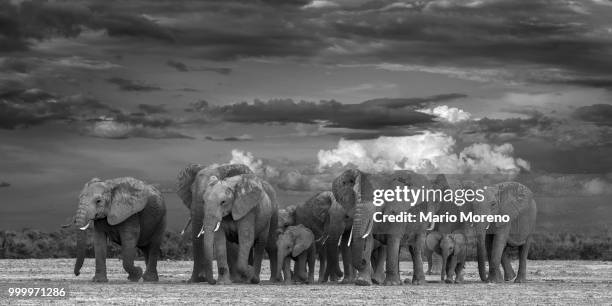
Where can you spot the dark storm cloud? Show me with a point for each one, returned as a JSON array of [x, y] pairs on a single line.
[[373, 114], [130, 85], [182, 67], [22, 108], [597, 113], [152, 109], [244, 137]]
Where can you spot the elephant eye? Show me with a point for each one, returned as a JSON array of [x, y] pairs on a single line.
[[98, 201], [223, 202]]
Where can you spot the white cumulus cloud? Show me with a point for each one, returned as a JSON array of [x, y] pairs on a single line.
[[256, 165], [424, 153], [449, 114]]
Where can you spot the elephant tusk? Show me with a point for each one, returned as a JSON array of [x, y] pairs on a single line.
[[201, 232], [66, 225], [486, 228], [217, 227], [186, 226], [85, 227], [340, 241], [431, 227], [350, 237], [368, 232]]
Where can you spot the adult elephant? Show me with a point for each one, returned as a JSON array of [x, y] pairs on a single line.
[[193, 181], [244, 207], [354, 191], [327, 225], [493, 238], [128, 212]]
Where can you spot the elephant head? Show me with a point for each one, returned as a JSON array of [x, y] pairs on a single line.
[[293, 241], [114, 200], [445, 245], [236, 196]]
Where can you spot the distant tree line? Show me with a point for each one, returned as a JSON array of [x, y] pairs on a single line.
[[32, 243]]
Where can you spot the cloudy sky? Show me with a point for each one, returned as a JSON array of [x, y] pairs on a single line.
[[298, 90]]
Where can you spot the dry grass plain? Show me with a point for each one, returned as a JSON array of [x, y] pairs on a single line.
[[550, 282]]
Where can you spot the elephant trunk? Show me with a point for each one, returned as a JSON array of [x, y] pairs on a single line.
[[362, 228], [280, 260], [82, 217], [445, 254], [81, 247], [210, 226], [481, 255]]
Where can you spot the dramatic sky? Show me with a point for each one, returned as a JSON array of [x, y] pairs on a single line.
[[299, 90]]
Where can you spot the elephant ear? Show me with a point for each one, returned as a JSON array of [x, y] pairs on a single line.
[[248, 193], [432, 241], [320, 205], [303, 240], [185, 180], [513, 198], [459, 239], [128, 197]]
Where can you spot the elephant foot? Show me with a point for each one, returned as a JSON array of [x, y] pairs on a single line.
[[135, 276], [99, 279], [224, 279], [378, 278], [255, 280], [509, 275], [392, 281], [198, 278], [362, 282], [310, 280], [347, 280], [448, 281], [458, 281], [495, 279], [519, 280], [333, 278], [417, 280], [150, 277]]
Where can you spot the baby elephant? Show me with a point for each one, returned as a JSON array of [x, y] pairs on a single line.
[[453, 249], [296, 242]]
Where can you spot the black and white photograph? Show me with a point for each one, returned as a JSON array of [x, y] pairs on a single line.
[[305, 152]]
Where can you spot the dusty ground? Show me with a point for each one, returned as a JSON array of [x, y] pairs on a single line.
[[558, 282]]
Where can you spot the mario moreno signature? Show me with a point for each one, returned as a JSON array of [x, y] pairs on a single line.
[[431, 217]]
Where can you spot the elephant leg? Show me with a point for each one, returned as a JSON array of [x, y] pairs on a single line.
[[232, 260], [523, 252], [300, 268], [392, 272], [246, 238], [323, 275], [378, 264], [459, 272], [100, 251], [198, 273], [450, 269], [499, 243], [275, 276], [312, 259], [364, 274], [429, 256], [349, 273], [507, 265], [258, 252], [152, 255], [418, 275], [129, 238], [221, 257]]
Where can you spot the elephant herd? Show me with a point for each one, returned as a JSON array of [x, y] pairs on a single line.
[[236, 220]]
